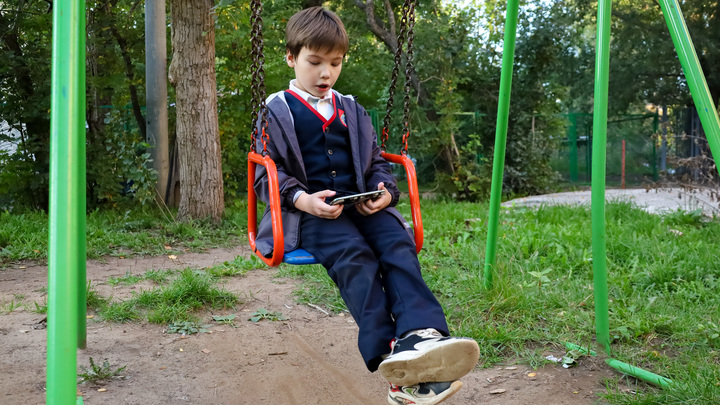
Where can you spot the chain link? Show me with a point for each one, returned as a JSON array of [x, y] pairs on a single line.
[[407, 22], [257, 81], [409, 70], [394, 77]]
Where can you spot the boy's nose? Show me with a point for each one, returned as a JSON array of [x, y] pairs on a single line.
[[325, 73]]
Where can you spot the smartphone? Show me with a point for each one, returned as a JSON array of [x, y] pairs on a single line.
[[356, 198]]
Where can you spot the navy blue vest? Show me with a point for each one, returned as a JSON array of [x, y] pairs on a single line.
[[324, 145]]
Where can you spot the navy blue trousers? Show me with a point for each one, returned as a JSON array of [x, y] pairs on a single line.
[[373, 262]]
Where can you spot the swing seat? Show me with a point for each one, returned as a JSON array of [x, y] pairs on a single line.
[[299, 257]]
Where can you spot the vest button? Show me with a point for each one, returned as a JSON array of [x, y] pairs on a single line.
[[330, 152], [333, 173], [327, 130]]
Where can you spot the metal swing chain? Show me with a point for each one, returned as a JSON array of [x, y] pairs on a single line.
[[408, 75], [407, 22], [394, 76], [257, 82]]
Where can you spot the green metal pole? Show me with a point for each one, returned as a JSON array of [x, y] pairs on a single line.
[[508, 58], [694, 74], [599, 145], [66, 260], [639, 373]]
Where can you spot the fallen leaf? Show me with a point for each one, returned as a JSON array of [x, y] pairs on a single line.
[[22, 267], [24, 330], [576, 392], [206, 351], [532, 374], [511, 368], [163, 368], [90, 316], [36, 251], [167, 247], [498, 391], [102, 389], [172, 257], [181, 349]]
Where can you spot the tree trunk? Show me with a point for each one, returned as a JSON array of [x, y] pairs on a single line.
[[192, 73]]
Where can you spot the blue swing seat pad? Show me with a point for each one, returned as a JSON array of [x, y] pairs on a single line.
[[298, 257]]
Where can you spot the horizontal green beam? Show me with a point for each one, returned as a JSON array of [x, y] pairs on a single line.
[[639, 373]]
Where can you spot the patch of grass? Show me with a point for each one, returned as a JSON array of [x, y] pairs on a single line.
[[39, 308], [127, 279], [95, 373], [94, 299], [10, 305], [177, 302], [141, 231], [237, 266], [158, 276], [121, 311], [317, 287]]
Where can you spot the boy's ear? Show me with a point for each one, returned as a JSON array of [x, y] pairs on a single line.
[[290, 59]]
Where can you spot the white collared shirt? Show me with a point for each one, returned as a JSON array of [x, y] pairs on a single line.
[[323, 105]]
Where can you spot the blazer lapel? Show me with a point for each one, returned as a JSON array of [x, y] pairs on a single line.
[[350, 108], [285, 121]]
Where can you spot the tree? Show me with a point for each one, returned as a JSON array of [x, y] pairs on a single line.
[[192, 73], [24, 101]]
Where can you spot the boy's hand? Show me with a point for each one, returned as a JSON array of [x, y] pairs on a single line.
[[314, 204], [369, 207]]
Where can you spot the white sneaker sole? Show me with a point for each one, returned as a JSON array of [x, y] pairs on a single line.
[[455, 387], [446, 362]]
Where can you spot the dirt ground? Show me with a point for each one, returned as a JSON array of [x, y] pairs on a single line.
[[310, 359]]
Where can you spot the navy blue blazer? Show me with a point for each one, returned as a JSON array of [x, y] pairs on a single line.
[[283, 147]]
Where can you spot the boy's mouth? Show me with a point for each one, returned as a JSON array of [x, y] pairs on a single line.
[[323, 86]]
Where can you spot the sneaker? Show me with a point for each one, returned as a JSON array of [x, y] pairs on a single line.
[[426, 355], [422, 394]]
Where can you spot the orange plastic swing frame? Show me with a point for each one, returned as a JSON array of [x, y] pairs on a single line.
[[255, 159]]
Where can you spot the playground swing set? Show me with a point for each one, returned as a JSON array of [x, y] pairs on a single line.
[[67, 255]]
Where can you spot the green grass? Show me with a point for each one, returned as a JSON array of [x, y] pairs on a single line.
[[179, 301], [664, 290], [122, 233]]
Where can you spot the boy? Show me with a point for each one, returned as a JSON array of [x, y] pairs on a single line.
[[324, 145]]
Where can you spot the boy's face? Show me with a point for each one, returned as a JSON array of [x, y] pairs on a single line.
[[316, 71]]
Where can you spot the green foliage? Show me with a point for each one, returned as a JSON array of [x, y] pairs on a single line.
[[126, 174], [95, 373], [188, 328], [225, 319], [262, 314], [25, 49]]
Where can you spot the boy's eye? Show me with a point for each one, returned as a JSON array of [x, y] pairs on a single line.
[[314, 63], [336, 64]]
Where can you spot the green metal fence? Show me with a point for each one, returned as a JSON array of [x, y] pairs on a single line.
[[638, 133]]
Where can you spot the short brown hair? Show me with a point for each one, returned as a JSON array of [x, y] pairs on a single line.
[[317, 29]]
